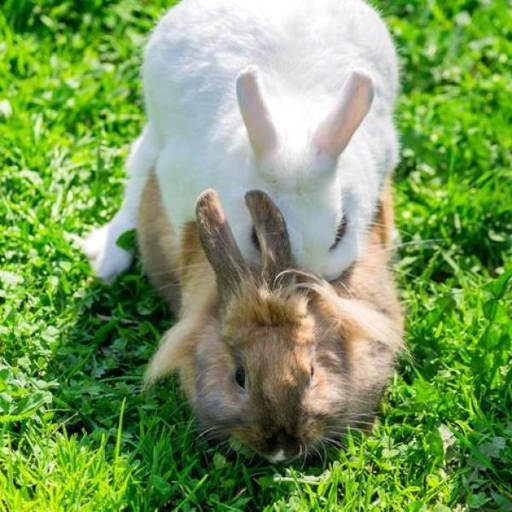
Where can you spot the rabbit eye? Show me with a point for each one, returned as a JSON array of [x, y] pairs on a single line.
[[240, 377], [340, 233]]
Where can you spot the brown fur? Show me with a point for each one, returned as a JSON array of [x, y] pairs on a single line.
[[158, 245], [315, 355]]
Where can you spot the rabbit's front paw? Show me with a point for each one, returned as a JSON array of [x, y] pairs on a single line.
[[107, 259]]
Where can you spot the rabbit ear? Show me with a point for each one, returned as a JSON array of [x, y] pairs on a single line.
[[272, 234], [335, 131], [218, 242], [258, 121]]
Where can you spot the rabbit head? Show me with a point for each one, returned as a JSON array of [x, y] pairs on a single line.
[[278, 359], [305, 169]]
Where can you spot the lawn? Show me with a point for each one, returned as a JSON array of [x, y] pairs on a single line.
[[77, 432]]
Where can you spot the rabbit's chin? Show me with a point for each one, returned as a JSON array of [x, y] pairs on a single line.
[[280, 449], [276, 457], [279, 455]]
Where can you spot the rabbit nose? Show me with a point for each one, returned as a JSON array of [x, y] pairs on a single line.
[[283, 447]]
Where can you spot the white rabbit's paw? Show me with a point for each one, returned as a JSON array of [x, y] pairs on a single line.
[[107, 259]]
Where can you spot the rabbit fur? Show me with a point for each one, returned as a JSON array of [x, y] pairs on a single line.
[[280, 359], [295, 99]]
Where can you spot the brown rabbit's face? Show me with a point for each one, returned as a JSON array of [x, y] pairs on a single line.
[[278, 377], [245, 404], [272, 338], [290, 373], [260, 383]]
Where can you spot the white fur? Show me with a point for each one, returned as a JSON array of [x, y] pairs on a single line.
[[106, 257], [305, 51], [279, 456]]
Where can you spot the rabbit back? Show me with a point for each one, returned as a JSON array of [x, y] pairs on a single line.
[[305, 50], [305, 53]]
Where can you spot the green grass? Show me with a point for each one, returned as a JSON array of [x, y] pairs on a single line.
[[76, 432]]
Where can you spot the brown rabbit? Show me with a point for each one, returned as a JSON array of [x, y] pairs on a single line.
[[278, 358]]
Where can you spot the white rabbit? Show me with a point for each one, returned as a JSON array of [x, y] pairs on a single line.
[[292, 98]]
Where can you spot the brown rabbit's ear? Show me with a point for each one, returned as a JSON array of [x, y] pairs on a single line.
[[273, 239], [219, 243]]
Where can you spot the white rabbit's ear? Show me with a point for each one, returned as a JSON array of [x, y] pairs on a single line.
[[258, 121], [335, 131]]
